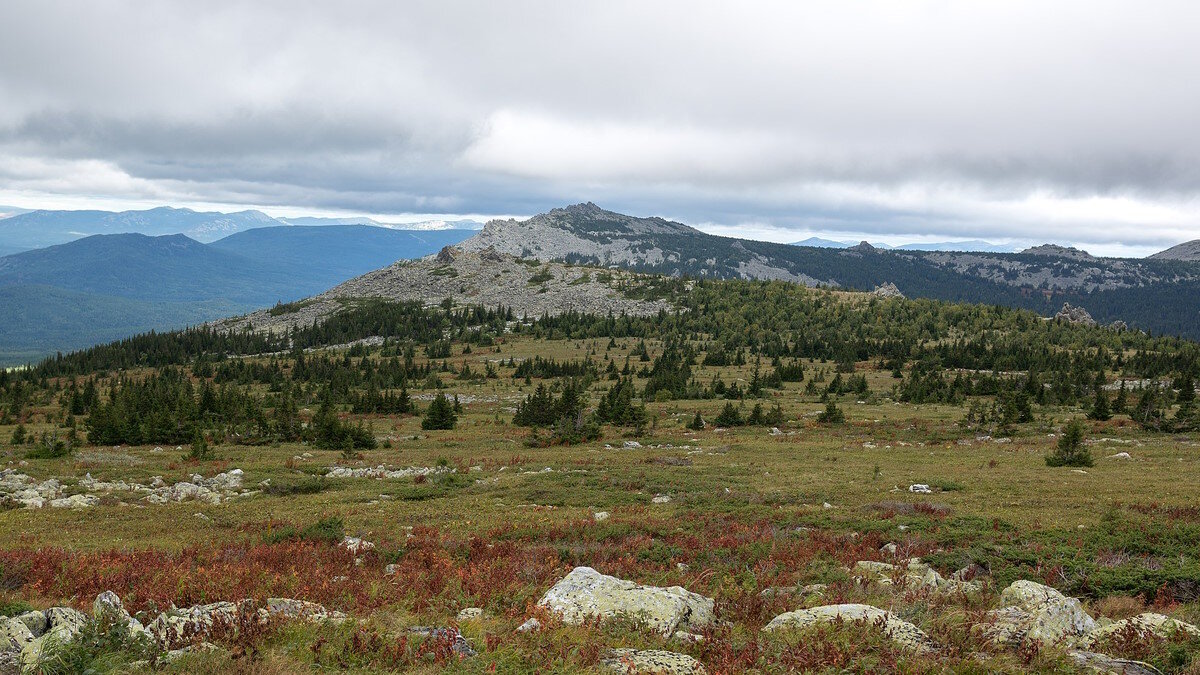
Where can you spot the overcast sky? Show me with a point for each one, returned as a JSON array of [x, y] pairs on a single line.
[[1073, 122]]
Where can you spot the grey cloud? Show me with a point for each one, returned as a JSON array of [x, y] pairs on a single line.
[[801, 115]]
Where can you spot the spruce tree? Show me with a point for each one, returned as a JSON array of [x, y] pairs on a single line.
[[1070, 451], [832, 414], [440, 414], [1100, 409]]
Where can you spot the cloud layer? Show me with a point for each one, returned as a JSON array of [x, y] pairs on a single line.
[[1069, 121]]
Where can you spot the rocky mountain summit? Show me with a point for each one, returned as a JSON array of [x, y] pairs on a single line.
[[469, 277], [1189, 251], [1056, 251], [588, 234]]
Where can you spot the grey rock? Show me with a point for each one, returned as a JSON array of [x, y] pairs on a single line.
[[458, 643], [586, 594], [649, 662]]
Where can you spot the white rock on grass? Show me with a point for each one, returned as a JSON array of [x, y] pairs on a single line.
[[1037, 614], [587, 594], [899, 631], [356, 545], [649, 662], [530, 626], [469, 614]]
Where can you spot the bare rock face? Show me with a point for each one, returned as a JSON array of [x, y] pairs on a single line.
[[1075, 315], [899, 631], [587, 594], [650, 662]]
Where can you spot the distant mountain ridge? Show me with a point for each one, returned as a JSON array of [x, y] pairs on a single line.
[[105, 287], [1158, 295], [967, 245], [40, 228]]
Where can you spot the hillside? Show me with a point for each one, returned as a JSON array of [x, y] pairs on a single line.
[[1156, 295], [485, 278], [1189, 250]]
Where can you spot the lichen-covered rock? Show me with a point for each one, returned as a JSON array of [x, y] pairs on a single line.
[[1101, 663], [898, 630], [179, 627], [75, 502], [1036, 613], [14, 634], [650, 662], [1148, 624], [586, 594], [912, 574], [35, 621], [288, 608], [62, 625]]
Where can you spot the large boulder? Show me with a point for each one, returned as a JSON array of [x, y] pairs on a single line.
[[1035, 613], [1144, 625], [587, 594], [898, 630], [650, 662]]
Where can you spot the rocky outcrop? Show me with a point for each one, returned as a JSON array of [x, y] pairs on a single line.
[[887, 290], [1056, 251], [587, 594], [1035, 613], [1075, 315], [649, 662], [29, 493], [472, 277], [899, 631], [911, 574], [1148, 625]]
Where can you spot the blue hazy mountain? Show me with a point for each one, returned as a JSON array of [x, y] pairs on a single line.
[[104, 287], [969, 245], [38, 229], [334, 253]]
